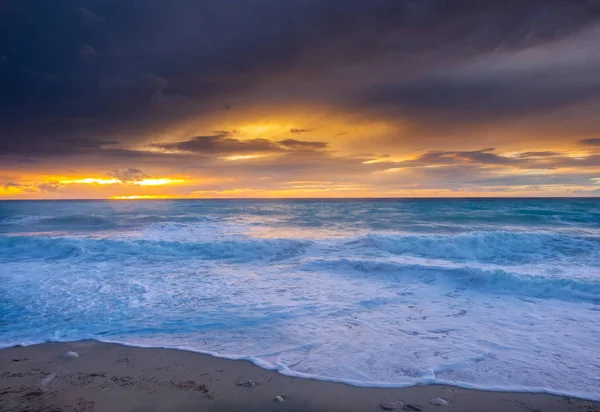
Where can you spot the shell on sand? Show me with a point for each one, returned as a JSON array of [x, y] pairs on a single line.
[[279, 398], [247, 383], [439, 402], [71, 355]]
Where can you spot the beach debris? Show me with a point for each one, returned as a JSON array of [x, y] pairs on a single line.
[[439, 402], [279, 398], [391, 405], [246, 383], [48, 379], [71, 355], [410, 407]]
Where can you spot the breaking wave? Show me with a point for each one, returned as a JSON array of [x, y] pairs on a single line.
[[468, 278], [25, 247], [493, 246]]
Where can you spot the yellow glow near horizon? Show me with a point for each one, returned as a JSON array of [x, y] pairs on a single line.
[[114, 181], [243, 157], [91, 180], [391, 170], [254, 174], [139, 197], [157, 182], [389, 159], [260, 129]]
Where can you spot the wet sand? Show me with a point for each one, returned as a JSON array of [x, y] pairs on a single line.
[[114, 378]]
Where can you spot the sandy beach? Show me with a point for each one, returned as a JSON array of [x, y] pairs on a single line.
[[111, 377]]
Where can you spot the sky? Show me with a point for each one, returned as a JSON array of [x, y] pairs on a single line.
[[129, 99]]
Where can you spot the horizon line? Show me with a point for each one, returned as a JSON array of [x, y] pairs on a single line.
[[303, 198]]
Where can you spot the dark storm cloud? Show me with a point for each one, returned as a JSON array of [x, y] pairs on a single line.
[[488, 157], [87, 52], [483, 96], [591, 160], [92, 69], [218, 144], [222, 143], [527, 180], [27, 160], [300, 144], [42, 145], [482, 156], [525, 155], [590, 142]]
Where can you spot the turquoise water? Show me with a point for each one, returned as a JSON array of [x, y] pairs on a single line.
[[487, 293]]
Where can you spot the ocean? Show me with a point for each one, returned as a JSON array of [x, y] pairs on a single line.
[[497, 294]]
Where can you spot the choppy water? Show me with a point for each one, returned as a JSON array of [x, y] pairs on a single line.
[[495, 294]]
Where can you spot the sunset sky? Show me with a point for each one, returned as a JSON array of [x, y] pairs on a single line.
[[299, 98]]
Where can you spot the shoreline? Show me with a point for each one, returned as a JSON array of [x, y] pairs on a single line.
[[285, 371], [117, 377]]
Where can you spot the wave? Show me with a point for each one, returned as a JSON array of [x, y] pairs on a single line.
[[469, 278], [77, 221], [149, 219], [226, 240], [26, 247], [516, 217], [97, 222], [492, 246], [19, 220]]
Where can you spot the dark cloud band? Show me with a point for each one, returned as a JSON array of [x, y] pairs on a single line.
[[93, 69]]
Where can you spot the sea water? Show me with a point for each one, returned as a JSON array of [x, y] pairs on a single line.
[[492, 294]]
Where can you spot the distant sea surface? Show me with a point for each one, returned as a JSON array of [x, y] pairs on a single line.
[[488, 293]]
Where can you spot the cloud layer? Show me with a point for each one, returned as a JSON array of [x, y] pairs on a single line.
[[256, 94]]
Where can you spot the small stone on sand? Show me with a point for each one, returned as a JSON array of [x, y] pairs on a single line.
[[71, 355], [439, 402], [391, 405], [247, 383], [279, 398]]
